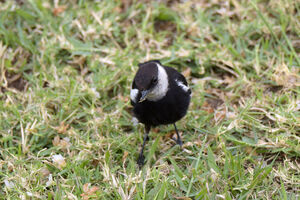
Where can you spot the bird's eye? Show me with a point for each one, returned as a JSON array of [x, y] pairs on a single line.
[[154, 80]]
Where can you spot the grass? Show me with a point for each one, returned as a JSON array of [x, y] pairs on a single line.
[[65, 118]]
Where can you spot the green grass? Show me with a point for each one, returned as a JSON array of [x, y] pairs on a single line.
[[65, 77]]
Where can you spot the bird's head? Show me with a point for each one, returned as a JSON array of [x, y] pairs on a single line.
[[146, 78]]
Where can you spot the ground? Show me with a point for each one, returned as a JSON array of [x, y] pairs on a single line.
[[65, 118]]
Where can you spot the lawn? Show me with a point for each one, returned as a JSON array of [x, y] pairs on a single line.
[[66, 129]]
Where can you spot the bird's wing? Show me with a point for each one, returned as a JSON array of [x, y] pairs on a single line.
[[182, 79], [181, 82]]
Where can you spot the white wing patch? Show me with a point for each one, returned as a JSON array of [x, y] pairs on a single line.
[[133, 95], [184, 87]]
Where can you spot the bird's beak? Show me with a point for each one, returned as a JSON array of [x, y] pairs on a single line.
[[144, 95]]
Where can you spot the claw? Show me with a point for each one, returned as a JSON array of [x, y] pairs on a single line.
[[178, 141]]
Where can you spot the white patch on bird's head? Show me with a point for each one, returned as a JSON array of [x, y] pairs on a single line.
[[134, 94], [161, 89]]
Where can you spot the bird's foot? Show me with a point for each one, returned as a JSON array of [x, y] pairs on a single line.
[[141, 161], [178, 141]]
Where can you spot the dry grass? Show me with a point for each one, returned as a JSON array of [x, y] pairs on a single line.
[[65, 121]]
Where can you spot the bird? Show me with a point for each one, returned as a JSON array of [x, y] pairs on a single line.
[[160, 95]]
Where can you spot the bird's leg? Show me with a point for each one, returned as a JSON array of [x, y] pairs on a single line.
[[178, 141], [141, 158]]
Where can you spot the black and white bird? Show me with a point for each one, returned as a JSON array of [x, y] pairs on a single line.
[[159, 95]]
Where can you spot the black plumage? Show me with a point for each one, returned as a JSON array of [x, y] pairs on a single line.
[[159, 95]]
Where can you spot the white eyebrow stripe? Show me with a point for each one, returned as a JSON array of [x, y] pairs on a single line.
[[133, 94], [184, 87]]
